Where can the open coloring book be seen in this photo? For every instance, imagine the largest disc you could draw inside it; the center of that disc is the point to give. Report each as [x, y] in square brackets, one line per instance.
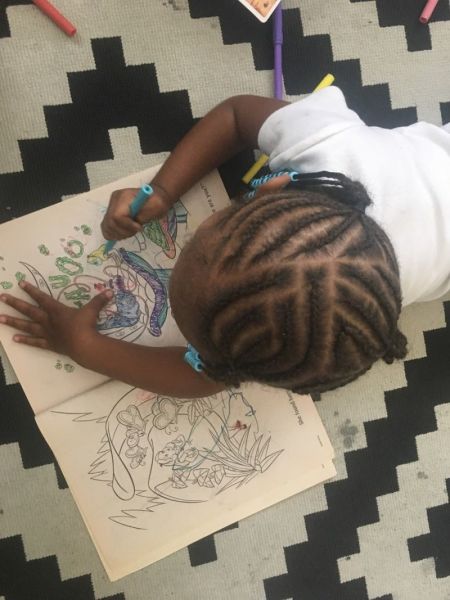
[150, 474]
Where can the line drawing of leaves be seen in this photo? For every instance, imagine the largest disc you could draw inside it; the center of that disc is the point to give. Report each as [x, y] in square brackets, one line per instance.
[243, 443]
[191, 413]
[229, 463]
[208, 403]
[204, 404]
[249, 477]
[253, 454]
[237, 473]
[234, 481]
[238, 463]
[233, 454]
[264, 449]
[269, 460]
[231, 445]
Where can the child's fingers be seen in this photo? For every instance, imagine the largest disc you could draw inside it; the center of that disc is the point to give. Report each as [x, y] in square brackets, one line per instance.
[44, 300]
[155, 208]
[27, 309]
[29, 340]
[118, 229]
[95, 305]
[22, 325]
[117, 223]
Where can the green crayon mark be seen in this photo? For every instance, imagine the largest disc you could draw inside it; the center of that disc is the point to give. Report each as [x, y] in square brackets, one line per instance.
[58, 365]
[6, 285]
[20, 276]
[59, 281]
[68, 266]
[86, 229]
[153, 231]
[44, 250]
[69, 368]
[74, 248]
[77, 295]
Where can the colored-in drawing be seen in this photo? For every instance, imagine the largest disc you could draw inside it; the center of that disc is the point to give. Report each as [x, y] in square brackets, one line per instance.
[68, 266]
[166, 450]
[140, 302]
[127, 307]
[44, 250]
[59, 281]
[158, 280]
[68, 368]
[74, 248]
[98, 256]
[163, 233]
[6, 285]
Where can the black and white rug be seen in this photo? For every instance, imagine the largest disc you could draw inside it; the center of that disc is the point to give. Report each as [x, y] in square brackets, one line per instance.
[76, 113]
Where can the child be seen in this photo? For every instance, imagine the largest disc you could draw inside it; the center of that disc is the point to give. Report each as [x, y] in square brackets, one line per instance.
[296, 286]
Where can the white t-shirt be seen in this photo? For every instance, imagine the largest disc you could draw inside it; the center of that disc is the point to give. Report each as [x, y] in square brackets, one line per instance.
[406, 172]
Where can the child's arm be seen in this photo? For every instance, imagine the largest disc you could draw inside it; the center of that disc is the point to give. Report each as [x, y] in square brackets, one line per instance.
[51, 325]
[159, 370]
[227, 129]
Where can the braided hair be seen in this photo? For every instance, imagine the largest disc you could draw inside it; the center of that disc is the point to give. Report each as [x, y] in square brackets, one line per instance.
[303, 289]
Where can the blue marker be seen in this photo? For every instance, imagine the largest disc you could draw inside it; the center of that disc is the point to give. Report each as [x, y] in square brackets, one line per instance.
[138, 202]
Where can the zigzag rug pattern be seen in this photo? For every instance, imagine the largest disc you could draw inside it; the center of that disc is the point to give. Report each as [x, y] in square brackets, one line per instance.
[78, 114]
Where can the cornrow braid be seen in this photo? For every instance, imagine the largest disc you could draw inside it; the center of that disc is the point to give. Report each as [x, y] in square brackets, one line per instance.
[337, 186]
[306, 292]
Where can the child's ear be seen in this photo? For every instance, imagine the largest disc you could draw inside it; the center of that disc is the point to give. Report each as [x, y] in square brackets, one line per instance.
[273, 185]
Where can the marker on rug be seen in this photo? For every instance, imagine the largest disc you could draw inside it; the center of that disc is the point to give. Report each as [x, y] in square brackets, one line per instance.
[278, 51]
[57, 18]
[138, 202]
[277, 32]
[428, 11]
[326, 81]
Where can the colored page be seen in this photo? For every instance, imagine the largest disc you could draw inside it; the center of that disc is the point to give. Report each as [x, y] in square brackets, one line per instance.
[61, 250]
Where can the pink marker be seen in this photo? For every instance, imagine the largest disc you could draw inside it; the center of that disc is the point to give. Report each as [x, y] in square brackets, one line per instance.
[428, 11]
[56, 17]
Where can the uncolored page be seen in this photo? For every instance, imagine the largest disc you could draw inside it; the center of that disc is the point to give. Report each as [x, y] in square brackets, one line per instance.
[61, 250]
[152, 474]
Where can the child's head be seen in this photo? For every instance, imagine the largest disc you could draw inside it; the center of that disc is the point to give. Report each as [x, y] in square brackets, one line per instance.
[298, 289]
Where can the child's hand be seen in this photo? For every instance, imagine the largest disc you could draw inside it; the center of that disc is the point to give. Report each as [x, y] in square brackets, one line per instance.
[117, 224]
[51, 325]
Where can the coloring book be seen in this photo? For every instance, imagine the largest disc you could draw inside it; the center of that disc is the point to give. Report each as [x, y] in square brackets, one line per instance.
[150, 474]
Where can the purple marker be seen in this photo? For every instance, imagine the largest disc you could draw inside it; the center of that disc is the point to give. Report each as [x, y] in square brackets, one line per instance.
[278, 51]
